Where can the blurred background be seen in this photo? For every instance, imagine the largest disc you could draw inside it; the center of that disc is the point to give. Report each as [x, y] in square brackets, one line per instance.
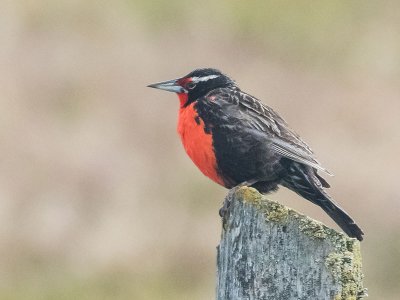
[98, 199]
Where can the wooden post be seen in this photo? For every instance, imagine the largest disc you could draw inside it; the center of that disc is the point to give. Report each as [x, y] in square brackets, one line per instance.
[268, 251]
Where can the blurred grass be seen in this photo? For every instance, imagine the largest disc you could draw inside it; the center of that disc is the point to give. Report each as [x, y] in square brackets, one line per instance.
[111, 285]
[98, 199]
[308, 32]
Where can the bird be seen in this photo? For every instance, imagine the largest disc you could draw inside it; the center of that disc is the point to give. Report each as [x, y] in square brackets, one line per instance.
[237, 140]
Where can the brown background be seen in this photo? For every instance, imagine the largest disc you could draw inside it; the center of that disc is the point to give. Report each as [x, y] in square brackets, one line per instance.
[97, 197]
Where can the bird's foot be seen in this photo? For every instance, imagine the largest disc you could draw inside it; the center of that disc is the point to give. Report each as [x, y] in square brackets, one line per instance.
[247, 183]
[228, 199]
[225, 206]
[227, 202]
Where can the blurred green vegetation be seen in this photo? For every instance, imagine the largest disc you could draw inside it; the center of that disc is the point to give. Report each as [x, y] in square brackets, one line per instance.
[110, 285]
[313, 33]
[99, 201]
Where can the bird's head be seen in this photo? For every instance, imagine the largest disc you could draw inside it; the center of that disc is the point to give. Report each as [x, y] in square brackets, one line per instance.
[195, 84]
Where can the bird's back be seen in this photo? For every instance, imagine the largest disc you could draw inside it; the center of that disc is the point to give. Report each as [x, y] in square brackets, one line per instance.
[249, 138]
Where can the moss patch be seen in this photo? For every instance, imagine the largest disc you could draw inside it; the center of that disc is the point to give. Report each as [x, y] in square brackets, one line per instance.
[276, 212]
[249, 195]
[313, 228]
[345, 266]
[272, 210]
[344, 262]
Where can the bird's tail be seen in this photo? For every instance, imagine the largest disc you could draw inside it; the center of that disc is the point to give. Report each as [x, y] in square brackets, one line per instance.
[307, 183]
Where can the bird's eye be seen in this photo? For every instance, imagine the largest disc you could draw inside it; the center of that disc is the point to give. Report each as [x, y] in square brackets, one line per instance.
[190, 85]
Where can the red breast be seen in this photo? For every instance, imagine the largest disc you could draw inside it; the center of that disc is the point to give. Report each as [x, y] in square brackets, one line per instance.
[197, 143]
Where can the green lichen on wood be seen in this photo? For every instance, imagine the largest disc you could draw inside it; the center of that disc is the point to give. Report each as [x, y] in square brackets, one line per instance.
[276, 212]
[344, 262]
[345, 266]
[312, 228]
[249, 195]
[272, 210]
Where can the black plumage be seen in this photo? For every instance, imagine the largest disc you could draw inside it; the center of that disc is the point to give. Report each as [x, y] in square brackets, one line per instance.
[255, 146]
[251, 143]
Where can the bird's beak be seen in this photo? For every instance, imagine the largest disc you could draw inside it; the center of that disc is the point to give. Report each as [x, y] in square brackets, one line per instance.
[170, 86]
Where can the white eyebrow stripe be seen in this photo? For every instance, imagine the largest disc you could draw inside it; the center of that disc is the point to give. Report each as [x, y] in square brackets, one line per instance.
[204, 78]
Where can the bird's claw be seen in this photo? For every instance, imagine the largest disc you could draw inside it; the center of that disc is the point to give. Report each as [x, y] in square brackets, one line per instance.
[227, 202]
[228, 199]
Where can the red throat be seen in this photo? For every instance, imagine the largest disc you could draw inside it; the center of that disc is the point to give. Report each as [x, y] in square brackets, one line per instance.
[197, 143]
[183, 98]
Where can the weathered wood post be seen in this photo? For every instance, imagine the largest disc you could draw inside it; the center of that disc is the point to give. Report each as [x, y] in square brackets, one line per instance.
[268, 251]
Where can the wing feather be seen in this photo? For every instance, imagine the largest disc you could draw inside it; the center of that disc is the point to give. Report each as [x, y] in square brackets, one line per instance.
[288, 151]
[263, 120]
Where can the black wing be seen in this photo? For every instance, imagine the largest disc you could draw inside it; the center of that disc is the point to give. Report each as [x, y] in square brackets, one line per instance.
[260, 119]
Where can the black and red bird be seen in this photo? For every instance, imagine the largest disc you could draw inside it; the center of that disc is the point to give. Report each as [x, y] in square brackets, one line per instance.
[235, 139]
